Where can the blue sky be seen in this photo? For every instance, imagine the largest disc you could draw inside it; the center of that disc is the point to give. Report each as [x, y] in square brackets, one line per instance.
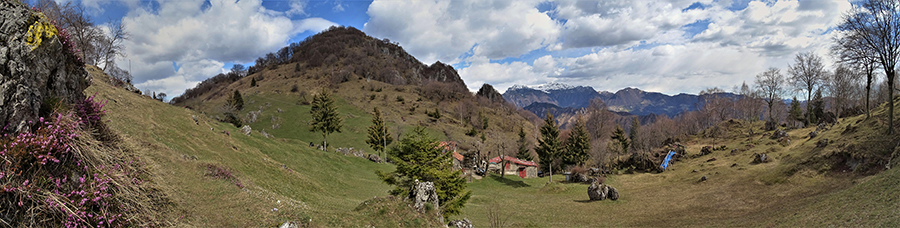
[676, 46]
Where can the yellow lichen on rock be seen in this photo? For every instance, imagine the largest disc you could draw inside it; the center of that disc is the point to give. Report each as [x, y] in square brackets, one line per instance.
[40, 29]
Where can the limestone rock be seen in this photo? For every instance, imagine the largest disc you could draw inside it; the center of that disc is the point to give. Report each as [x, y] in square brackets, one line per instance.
[246, 129]
[597, 191]
[289, 225]
[464, 223]
[422, 193]
[813, 134]
[778, 134]
[612, 194]
[374, 158]
[31, 75]
[759, 158]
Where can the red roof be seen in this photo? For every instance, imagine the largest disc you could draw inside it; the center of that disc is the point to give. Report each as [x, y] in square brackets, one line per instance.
[457, 156]
[513, 160]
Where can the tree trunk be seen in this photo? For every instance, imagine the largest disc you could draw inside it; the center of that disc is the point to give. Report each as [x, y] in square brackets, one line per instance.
[808, 105]
[868, 90]
[324, 142]
[891, 75]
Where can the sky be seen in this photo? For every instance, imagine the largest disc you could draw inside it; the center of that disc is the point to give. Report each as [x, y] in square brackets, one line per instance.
[675, 46]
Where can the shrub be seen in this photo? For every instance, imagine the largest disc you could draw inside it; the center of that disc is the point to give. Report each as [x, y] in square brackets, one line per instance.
[400, 99]
[294, 88]
[56, 173]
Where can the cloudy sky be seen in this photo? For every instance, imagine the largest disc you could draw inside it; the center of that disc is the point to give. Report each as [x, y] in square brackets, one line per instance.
[677, 46]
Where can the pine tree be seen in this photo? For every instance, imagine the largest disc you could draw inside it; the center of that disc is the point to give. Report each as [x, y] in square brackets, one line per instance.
[325, 116]
[418, 157]
[253, 82]
[378, 136]
[524, 151]
[818, 107]
[548, 146]
[578, 145]
[634, 133]
[795, 112]
[237, 101]
[619, 136]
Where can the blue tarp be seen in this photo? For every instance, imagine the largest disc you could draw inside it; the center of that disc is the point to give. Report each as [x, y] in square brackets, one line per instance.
[665, 163]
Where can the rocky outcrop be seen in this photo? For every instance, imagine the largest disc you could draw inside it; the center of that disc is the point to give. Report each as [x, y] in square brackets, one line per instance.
[464, 223]
[246, 129]
[423, 193]
[759, 158]
[597, 191]
[374, 158]
[36, 66]
[488, 91]
[612, 194]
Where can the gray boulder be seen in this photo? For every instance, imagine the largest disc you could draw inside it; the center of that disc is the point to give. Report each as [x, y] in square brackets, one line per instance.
[31, 72]
[246, 130]
[289, 225]
[612, 194]
[464, 223]
[374, 158]
[759, 158]
[597, 191]
[422, 193]
[813, 134]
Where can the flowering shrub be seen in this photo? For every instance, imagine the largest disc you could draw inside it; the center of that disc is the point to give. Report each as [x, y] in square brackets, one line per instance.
[47, 174]
[219, 172]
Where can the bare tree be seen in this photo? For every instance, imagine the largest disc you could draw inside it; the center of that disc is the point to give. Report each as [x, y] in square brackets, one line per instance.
[875, 25]
[109, 46]
[771, 85]
[850, 49]
[842, 87]
[807, 74]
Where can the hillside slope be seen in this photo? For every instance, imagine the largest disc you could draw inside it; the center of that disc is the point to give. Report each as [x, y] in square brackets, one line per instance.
[217, 177]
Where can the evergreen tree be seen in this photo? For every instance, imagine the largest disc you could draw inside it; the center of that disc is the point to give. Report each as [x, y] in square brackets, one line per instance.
[378, 136]
[325, 116]
[619, 136]
[252, 82]
[524, 151]
[818, 107]
[633, 135]
[237, 101]
[548, 146]
[578, 145]
[418, 157]
[796, 113]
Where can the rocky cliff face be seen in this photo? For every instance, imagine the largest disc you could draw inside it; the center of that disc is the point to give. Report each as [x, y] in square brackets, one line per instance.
[35, 66]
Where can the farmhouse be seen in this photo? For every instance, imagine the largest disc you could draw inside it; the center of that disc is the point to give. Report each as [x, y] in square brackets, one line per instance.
[515, 166]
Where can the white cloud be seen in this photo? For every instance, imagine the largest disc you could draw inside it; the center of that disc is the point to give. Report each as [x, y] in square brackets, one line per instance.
[201, 39]
[297, 8]
[443, 30]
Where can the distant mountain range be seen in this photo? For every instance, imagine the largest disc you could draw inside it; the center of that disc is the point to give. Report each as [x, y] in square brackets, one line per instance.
[568, 98]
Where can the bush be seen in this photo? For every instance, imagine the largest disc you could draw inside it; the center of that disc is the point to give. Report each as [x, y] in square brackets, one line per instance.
[294, 88]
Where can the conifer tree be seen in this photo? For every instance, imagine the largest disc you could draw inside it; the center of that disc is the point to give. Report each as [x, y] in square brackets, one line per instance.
[418, 157]
[253, 82]
[795, 112]
[378, 136]
[548, 146]
[325, 116]
[619, 136]
[237, 101]
[578, 145]
[634, 133]
[524, 151]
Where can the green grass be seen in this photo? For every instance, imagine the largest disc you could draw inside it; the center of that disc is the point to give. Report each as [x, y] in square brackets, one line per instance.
[310, 184]
[323, 188]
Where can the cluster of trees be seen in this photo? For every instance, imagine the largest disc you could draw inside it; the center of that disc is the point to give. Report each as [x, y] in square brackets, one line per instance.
[868, 40]
[97, 45]
[221, 80]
